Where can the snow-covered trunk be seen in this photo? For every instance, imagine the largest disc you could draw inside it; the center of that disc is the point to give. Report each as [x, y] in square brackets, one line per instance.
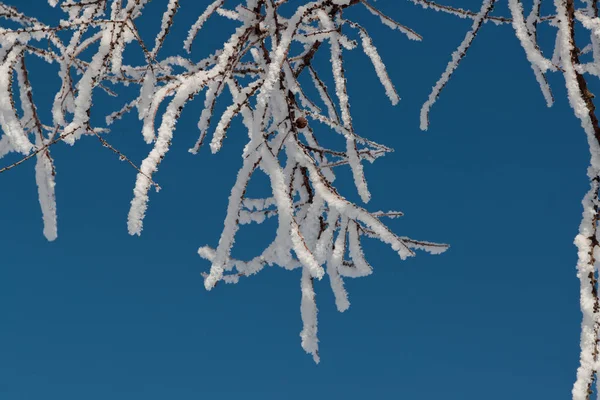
[581, 101]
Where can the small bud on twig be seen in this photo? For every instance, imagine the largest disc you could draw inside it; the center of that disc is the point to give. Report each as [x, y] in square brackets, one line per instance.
[301, 123]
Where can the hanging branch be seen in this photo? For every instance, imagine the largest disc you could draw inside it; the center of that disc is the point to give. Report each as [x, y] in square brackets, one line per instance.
[457, 56]
[261, 66]
[565, 60]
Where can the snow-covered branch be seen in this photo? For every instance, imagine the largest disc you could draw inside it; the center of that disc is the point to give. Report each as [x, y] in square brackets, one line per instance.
[566, 59]
[260, 66]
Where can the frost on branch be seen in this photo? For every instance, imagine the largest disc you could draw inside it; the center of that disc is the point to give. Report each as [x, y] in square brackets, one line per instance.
[259, 67]
[568, 55]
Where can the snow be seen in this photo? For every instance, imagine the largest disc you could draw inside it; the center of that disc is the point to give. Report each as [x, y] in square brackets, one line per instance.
[457, 56]
[263, 70]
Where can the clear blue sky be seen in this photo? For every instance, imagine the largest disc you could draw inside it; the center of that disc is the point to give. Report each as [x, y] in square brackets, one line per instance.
[101, 315]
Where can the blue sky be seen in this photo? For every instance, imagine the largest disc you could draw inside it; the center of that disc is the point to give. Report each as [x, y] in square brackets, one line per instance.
[99, 314]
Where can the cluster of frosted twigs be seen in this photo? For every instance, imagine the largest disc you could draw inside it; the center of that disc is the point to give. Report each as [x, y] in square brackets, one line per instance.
[319, 231]
[259, 67]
